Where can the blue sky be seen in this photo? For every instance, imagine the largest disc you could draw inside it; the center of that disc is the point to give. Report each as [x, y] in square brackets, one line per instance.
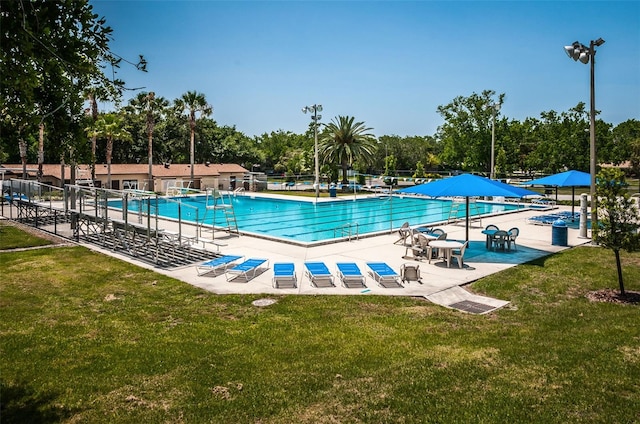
[389, 64]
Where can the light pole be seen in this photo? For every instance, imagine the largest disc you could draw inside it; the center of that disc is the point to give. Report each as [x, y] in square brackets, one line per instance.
[314, 109]
[578, 51]
[495, 107]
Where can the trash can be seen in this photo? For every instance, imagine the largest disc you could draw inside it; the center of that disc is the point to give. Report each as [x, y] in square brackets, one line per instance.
[559, 232]
[332, 190]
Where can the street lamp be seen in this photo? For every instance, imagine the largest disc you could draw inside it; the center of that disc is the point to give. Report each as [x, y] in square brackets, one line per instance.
[495, 107]
[578, 51]
[314, 109]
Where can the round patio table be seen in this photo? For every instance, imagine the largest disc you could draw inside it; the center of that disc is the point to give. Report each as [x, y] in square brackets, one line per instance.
[446, 246]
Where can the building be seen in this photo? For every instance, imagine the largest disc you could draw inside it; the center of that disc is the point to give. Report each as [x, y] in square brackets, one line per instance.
[166, 177]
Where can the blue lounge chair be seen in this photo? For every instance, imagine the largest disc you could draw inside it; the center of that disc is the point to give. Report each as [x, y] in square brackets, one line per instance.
[318, 274]
[246, 270]
[284, 273]
[384, 275]
[350, 275]
[217, 264]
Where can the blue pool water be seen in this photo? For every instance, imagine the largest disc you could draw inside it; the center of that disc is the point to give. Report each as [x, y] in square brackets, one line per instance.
[308, 221]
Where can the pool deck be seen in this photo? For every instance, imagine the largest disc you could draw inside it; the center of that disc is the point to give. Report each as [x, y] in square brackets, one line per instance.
[439, 283]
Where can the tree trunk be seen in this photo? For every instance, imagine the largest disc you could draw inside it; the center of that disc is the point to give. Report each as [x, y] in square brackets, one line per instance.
[619, 265]
[40, 150]
[192, 148]
[151, 161]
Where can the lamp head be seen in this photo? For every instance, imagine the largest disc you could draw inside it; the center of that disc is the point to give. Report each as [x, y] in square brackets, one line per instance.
[598, 42]
[319, 108]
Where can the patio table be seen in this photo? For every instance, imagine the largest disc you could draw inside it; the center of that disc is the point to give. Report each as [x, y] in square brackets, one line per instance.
[446, 246]
[489, 234]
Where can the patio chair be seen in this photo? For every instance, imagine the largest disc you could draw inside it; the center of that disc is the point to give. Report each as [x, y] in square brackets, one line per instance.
[318, 274]
[500, 240]
[437, 232]
[350, 275]
[405, 232]
[246, 270]
[490, 227]
[433, 253]
[384, 275]
[284, 274]
[409, 273]
[418, 247]
[458, 254]
[513, 234]
[218, 264]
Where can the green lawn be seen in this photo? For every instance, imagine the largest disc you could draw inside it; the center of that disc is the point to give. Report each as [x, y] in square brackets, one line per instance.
[86, 338]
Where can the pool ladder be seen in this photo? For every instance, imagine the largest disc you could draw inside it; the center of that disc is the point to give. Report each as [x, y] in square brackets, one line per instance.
[458, 205]
[346, 230]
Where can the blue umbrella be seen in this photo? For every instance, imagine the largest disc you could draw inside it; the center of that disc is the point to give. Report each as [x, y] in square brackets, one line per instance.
[564, 179]
[468, 185]
[571, 179]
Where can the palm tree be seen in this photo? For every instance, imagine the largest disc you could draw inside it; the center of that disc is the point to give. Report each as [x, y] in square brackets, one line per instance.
[109, 126]
[194, 103]
[345, 142]
[153, 107]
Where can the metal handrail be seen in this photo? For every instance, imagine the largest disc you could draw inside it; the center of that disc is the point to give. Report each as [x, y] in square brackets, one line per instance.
[344, 230]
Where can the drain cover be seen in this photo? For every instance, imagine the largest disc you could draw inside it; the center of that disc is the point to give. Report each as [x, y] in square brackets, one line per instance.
[472, 307]
[263, 302]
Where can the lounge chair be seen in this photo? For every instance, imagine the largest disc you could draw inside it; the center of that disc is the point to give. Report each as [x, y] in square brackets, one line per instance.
[284, 274]
[350, 275]
[410, 273]
[246, 270]
[218, 264]
[318, 274]
[384, 275]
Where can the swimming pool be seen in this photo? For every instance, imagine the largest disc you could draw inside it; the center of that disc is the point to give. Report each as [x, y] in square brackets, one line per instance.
[307, 221]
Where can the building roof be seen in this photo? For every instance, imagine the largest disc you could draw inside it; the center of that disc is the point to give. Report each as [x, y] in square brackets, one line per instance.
[159, 171]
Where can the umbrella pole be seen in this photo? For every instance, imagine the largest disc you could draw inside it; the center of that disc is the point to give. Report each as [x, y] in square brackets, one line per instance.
[467, 213]
[573, 193]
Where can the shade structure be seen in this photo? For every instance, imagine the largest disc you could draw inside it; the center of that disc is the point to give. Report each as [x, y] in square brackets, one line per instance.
[571, 179]
[468, 185]
[564, 179]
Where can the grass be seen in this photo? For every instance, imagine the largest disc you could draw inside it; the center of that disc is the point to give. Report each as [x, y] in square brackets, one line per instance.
[89, 338]
[13, 238]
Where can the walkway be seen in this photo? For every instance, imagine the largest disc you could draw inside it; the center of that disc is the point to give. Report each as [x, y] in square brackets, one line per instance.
[534, 242]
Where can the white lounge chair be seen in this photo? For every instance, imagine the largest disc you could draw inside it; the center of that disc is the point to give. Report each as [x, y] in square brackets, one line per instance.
[246, 270]
[384, 275]
[284, 274]
[318, 274]
[350, 275]
[218, 264]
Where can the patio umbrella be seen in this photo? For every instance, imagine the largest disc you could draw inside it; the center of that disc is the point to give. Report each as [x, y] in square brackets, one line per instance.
[467, 185]
[571, 179]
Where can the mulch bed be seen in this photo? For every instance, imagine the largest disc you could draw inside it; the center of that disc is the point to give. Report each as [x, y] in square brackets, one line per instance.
[614, 296]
